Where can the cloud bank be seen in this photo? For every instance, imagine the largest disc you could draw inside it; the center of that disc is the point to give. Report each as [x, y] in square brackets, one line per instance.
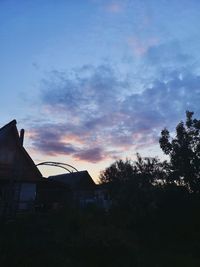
[96, 113]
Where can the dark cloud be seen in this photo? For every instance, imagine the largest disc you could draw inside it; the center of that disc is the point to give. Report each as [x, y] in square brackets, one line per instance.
[100, 113]
[86, 91]
[48, 140]
[55, 148]
[164, 103]
[92, 155]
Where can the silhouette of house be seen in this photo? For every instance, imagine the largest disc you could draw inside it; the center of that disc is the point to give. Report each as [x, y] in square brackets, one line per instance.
[83, 189]
[18, 173]
[22, 187]
[81, 186]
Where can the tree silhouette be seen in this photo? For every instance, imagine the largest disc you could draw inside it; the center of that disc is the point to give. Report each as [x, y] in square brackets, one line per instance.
[116, 177]
[150, 170]
[184, 152]
[118, 172]
[131, 183]
[144, 171]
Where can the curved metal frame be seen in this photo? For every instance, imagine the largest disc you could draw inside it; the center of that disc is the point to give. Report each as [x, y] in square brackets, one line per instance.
[57, 164]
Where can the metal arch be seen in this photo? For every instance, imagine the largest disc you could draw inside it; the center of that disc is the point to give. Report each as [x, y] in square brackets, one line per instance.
[58, 164]
[54, 165]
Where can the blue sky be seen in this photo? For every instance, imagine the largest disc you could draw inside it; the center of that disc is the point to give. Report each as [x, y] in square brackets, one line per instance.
[93, 81]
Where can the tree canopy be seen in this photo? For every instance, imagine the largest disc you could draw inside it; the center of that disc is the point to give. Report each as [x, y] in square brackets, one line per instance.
[184, 152]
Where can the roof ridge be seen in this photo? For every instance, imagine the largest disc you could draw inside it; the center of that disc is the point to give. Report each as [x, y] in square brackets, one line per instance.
[10, 124]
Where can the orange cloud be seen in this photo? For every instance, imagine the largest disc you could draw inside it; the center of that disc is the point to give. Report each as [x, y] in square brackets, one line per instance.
[72, 138]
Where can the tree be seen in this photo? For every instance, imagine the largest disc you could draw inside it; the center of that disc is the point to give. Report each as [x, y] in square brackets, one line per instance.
[150, 170]
[144, 171]
[118, 172]
[184, 152]
[131, 184]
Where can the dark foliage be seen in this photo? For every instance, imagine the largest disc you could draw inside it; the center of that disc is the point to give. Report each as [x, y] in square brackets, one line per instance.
[184, 153]
[131, 184]
[168, 237]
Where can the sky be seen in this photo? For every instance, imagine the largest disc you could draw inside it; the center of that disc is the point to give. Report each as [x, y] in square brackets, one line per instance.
[93, 81]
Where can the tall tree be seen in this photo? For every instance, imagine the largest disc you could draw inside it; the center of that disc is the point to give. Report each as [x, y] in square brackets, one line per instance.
[184, 152]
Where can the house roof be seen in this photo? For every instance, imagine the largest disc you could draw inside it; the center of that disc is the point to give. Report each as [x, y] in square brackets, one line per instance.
[10, 135]
[11, 126]
[75, 180]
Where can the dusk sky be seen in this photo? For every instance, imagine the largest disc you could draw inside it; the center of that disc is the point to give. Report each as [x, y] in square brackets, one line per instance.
[92, 81]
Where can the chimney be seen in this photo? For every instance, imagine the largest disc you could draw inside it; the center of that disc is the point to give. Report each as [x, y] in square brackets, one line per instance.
[21, 137]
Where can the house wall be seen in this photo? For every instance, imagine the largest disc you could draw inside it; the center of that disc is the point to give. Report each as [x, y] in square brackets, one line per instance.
[16, 196]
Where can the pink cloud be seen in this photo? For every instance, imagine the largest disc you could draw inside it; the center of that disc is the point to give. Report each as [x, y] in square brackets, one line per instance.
[140, 47]
[92, 155]
[30, 134]
[114, 7]
[67, 138]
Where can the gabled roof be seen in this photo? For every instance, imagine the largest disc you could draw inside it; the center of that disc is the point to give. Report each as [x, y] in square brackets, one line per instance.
[9, 134]
[11, 126]
[76, 180]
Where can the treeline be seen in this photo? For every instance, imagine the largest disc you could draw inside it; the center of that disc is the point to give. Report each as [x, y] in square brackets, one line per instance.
[181, 173]
[160, 200]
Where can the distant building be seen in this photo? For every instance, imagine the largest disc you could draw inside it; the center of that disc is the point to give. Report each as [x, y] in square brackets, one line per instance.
[83, 189]
[81, 185]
